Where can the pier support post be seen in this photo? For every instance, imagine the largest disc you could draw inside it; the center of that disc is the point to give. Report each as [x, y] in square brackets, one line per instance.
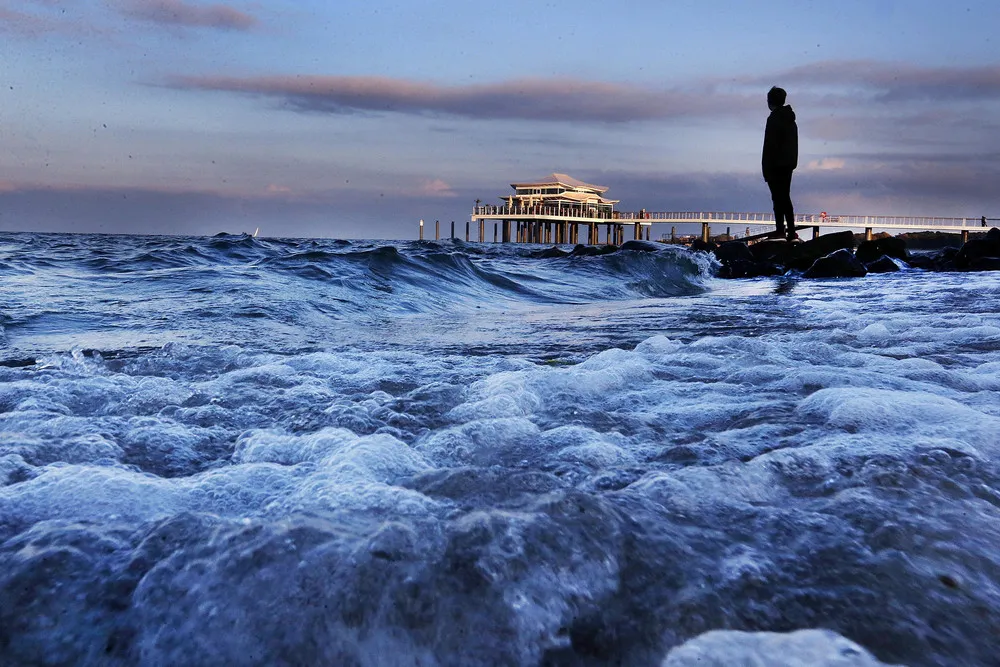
[495, 226]
[437, 230]
[452, 229]
[868, 233]
[705, 232]
[815, 232]
[467, 223]
[965, 235]
[421, 230]
[638, 231]
[482, 230]
[647, 232]
[673, 234]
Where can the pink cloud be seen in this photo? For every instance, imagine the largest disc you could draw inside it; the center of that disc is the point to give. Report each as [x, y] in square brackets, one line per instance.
[436, 188]
[527, 99]
[180, 13]
[22, 23]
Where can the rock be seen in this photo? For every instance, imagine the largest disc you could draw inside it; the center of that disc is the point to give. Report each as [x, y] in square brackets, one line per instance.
[777, 252]
[925, 262]
[985, 264]
[551, 252]
[839, 264]
[993, 236]
[641, 246]
[733, 251]
[749, 269]
[726, 648]
[701, 245]
[805, 254]
[869, 251]
[593, 250]
[976, 249]
[883, 264]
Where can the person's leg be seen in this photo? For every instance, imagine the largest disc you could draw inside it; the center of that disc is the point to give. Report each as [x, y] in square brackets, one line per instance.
[789, 208]
[778, 190]
[781, 185]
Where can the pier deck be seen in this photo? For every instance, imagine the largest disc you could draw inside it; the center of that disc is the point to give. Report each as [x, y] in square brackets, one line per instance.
[560, 225]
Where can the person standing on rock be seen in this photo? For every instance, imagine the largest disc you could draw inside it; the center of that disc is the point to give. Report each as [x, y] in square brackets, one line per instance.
[779, 159]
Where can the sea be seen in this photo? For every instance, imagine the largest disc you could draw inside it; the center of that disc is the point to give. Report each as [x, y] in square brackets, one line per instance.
[242, 451]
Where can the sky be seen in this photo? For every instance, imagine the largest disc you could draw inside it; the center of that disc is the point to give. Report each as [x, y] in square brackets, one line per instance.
[355, 119]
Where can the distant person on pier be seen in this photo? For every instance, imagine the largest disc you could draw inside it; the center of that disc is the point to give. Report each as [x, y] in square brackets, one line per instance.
[779, 159]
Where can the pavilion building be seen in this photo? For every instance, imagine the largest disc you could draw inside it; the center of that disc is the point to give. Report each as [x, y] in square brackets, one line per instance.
[552, 209]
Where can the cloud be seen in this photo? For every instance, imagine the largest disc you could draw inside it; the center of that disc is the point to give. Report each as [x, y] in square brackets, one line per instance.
[523, 99]
[27, 24]
[895, 82]
[826, 164]
[435, 188]
[180, 13]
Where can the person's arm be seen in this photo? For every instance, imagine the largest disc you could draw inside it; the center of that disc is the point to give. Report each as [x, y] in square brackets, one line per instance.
[767, 154]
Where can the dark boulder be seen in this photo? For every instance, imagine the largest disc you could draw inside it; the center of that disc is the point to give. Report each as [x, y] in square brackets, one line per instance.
[749, 269]
[805, 254]
[551, 252]
[975, 249]
[985, 264]
[925, 262]
[733, 251]
[883, 264]
[593, 250]
[839, 264]
[777, 252]
[869, 251]
[993, 236]
[642, 246]
[701, 245]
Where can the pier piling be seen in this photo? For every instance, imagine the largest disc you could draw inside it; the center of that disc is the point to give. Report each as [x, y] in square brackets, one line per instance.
[421, 230]
[437, 230]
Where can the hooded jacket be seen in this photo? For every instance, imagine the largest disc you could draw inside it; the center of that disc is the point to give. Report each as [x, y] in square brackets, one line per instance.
[781, 142]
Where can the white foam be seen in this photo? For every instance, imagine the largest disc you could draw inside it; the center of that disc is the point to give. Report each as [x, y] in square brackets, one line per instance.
[804, 648]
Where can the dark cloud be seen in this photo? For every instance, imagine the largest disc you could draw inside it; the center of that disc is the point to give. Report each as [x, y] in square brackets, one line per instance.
[895, 82]
[526, 99]
[180, 13]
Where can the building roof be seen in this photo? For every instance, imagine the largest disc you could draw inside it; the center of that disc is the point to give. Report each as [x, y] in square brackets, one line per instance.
[559, 179]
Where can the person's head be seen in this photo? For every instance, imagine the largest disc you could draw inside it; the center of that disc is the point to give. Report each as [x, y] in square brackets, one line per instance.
[775, 98]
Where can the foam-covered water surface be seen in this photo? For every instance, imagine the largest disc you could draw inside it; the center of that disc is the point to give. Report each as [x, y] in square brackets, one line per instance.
[242, 451]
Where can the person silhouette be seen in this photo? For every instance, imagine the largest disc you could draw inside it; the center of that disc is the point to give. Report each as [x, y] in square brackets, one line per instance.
[779, 159]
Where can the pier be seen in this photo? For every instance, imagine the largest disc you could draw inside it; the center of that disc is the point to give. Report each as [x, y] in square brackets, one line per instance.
[555, 208]
[524, 224]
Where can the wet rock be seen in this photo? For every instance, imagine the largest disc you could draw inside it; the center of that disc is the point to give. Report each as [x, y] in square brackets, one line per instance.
[593, 250]
[805, 254]
[985, 264]
[776, 252]
[925, 262]
[751, 269]
[975, 249]
[882, 265]
[818, 648]
[641, 246]
[550, 252]
[738, 261]
[733, 251]
[704, 247]
[870, 251]
[839, 264]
